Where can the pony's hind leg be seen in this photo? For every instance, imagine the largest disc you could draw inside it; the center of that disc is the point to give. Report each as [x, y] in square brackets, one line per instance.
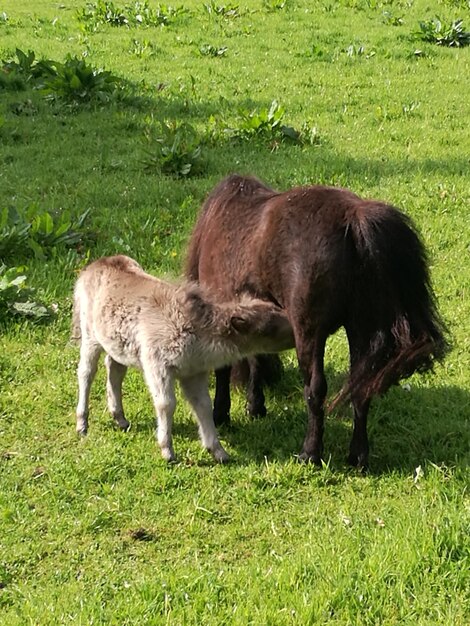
[359, 446]
[255, 394]
[116, 373]
[310, 352]
[89, 356]
[221, 412]
[196, 391]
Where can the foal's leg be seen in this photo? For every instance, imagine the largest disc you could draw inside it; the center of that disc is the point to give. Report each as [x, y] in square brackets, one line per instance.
[196, 391]
[222, 396]
[116, 373]
[88, 364]
[162, 388]
[310, 352]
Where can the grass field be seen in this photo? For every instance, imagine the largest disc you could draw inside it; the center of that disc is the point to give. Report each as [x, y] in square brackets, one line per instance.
[100, 530]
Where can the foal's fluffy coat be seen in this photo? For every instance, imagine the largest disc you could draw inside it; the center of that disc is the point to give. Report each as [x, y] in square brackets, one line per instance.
[169, 331]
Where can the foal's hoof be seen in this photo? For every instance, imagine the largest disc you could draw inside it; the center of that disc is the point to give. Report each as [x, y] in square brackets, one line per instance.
[81, 430]
[220, 456]
[120, 421]
[168, 454]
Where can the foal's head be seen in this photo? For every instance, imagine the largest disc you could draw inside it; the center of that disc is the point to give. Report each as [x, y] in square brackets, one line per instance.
[253, 325]
[258, 326]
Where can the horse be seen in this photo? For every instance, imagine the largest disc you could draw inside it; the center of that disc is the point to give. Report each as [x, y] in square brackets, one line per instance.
[330, 259]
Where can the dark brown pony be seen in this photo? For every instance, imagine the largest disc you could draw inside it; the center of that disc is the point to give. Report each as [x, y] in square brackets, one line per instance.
[330, 259]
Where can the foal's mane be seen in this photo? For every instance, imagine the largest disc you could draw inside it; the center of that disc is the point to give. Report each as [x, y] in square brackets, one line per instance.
[201, 308]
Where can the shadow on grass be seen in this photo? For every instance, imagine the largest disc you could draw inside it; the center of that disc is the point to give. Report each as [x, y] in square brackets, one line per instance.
[408, 426]
[322, 164]
[123, 121]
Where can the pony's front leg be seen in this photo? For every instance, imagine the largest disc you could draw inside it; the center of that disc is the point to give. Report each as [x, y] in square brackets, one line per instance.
[162, 388]
[311, 358]
[221, 412]
[89, 356]
[196, 390]
[116, 373]
[255, 394]
[359, 447]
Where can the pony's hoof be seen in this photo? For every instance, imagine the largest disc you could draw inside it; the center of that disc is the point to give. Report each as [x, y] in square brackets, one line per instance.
[359, 462]
[221, 419]
[305, 457]
[257, 411]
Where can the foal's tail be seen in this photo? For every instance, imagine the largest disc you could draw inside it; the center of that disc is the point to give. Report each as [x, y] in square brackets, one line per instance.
[394, 327]
[76, 332]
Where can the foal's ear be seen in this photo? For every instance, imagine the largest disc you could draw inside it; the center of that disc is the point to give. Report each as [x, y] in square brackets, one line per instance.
[241, 324]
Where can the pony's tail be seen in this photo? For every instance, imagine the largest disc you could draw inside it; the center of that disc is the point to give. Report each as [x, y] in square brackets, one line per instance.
[395, 328]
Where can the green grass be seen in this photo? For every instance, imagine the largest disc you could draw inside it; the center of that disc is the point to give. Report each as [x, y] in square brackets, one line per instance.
[101, 531]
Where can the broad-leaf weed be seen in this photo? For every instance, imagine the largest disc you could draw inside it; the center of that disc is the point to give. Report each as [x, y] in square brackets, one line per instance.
[436, 31]
[174, 148]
